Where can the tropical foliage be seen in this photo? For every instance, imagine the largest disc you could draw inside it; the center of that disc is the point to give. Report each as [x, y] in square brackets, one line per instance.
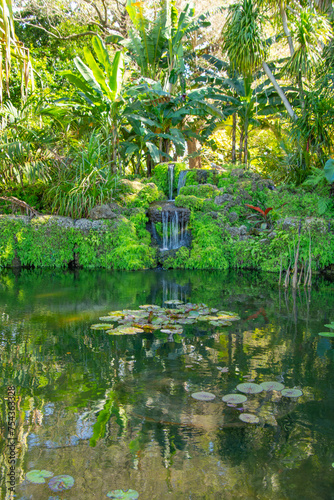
[120, 94]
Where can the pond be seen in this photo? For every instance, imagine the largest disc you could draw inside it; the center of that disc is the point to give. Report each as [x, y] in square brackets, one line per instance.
[117, 412]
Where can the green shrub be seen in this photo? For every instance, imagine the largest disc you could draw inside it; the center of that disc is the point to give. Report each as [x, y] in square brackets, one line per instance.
[145, 196]
[201, 191]
[191, 202]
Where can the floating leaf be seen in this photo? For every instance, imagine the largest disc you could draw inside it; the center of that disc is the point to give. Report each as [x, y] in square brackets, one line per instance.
[61, 483]
[150, 306]
[272, 386]
[203, 396]
[330, 326]
[326, 334]
[235, 399]
[173, 302]
[220, 323]
[101, 326]
[249, 388]
[123, 495]
[109, 318]
[292, 393]
[249, 418]
[127, 330]
[38, 476]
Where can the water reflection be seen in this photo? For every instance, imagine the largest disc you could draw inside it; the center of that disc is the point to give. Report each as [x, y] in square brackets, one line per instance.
[117, 412]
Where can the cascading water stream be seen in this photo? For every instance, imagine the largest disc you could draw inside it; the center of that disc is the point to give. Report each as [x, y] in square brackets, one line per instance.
[173, 230]
[170, 180]
[182, 180]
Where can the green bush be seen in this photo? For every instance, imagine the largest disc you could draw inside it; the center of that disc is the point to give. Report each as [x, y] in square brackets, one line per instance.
[191, 202]
[201, 191]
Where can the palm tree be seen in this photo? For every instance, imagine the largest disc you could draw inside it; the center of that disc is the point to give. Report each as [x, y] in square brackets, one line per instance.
[11, 47]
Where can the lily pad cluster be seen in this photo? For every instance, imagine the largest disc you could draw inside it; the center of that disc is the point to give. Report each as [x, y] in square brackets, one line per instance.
[150, 317]
[56, 484]
[235, 399]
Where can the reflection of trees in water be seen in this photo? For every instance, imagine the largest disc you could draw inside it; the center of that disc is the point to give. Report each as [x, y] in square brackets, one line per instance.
[49, 352]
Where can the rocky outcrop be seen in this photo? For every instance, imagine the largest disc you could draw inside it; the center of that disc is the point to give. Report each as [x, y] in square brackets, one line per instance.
[156, 210]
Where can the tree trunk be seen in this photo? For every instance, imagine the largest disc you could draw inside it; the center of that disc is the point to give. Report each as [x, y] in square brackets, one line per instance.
[149, 165]
[234, 130]
[246, 147]
[193, 146]
[285, 28]
[280, 92]
[241, 145]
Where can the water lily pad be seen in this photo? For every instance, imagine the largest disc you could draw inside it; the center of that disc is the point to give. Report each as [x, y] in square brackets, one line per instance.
[126, 330]
[148, 326]
[38, 476]
[292, 393]
[330, 326]
[326, 334]
[173, 302]
[109, 318]
[235, 399]
[220, 323]
[249, 388]
[123, 495]
[249, 418]
[272, 386]
[61, 483]
[203, 396]
[150, 306]
[101, 326]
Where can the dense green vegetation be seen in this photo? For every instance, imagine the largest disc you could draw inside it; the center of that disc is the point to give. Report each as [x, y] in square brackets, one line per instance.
[117, 100]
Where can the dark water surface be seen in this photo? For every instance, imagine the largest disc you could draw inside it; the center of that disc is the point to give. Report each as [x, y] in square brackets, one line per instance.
[116, 412]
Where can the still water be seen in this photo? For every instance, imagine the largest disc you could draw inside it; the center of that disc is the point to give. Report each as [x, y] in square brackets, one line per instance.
[116, 412]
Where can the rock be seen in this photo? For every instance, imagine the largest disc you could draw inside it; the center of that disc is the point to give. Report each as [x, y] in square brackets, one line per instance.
[245, 195]
[102, 212]
[272, 235]
[288, 223]
[315, 224]
[116, 208]
[233, 231]
[244, 237]
[25, 219]
[223, 198]
[254, 176]
[243, 230]
[83, 224]
[214, 215]
[233, 217]
[238, 172]
[65, 222]
[155, 211]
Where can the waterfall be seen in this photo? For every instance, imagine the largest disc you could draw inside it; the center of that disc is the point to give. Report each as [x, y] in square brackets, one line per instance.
[182, 180]
[171, 235]
[171, 180]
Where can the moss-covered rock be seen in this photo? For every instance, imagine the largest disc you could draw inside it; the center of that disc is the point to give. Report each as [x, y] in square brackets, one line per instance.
[201, 190]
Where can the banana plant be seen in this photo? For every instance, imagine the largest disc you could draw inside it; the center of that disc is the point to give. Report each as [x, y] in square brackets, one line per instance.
[99, 89]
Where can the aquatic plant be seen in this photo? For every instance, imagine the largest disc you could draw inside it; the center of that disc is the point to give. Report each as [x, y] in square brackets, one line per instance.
[272, 386]
[328, 334]
[249, 418]
[234, 399]
[292, 393]
[203, 396]
[61, 483]
[38, 476]
[249, 388]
